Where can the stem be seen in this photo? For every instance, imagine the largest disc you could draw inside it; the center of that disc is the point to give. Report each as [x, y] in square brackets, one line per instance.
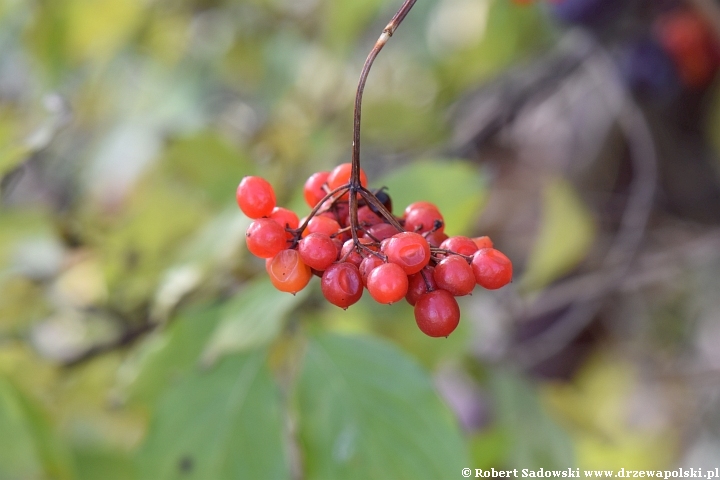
[384, 37]
[354, 185]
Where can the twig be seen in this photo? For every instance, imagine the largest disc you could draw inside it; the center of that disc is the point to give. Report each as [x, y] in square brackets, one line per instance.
[126, 339]
[355, 186]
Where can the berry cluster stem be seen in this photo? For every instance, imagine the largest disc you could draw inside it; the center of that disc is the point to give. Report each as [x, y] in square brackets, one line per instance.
[354, 185]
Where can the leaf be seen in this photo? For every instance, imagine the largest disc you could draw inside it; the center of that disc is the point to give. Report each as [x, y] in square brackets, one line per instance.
[253, 318]
[489, 448]
[28, 446]
[456, 187]
[368, 411]
[566, 234]
[168, 356]
[105, 464]
[223, 424]
[536, 440]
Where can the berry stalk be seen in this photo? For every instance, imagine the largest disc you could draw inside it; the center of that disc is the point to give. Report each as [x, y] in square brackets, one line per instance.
[355, 186]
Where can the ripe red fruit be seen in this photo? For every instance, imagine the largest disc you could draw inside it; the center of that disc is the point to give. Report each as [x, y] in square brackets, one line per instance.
[437, 313]
[367, 217]
[255, 197]
[287, 271]
[387, 283]
[350, 253]
[419, 284]
[341, 284]
[340, 212]
[424, 219]
[368, 264]
[492, 268]
[381, 231]
[422, 204]
[409, 250]
[483, 242]
[265, 238]
[313, 191]
[460, 244]
[286, 218]
[318, 251]
[436, 238]
[455, 275]
[321, 224]
[341, 175]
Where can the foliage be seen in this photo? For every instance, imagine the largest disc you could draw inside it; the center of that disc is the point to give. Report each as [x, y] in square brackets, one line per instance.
[138, 340]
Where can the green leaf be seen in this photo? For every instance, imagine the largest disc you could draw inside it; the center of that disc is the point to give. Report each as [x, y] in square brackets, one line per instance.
[368, 411]
[535, 439]
[226, 423]
[253, 318]
[456, 187]
[489, 448]
[566, 234]
[168, 356]
[105, 464]
[28, 446]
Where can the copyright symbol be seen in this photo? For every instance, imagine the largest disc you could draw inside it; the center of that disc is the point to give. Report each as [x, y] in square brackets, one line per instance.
[466, 472]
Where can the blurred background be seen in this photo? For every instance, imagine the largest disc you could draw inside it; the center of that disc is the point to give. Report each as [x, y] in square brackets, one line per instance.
[139, 340]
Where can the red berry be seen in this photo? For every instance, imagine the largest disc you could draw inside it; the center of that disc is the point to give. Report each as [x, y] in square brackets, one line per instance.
[321, 224]
[341, 284]
[455, 275]
[419, 284]
[318, 251]
[387, 283]
[483, 242]
[340, 212]
[286, 218]
[381, 231]
[350, 253]
[287, 271]
[416, 205]
[368, 264]
[265, 238]
[367, 217]
[437, 313]
[409, 250]
[424, 220]
[255, 197]
[460, 244]
[313, 190]
[341, 175]
[492, 268]
[436, 238]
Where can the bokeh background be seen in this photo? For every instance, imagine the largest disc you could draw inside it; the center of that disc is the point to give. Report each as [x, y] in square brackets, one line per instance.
[140, 340]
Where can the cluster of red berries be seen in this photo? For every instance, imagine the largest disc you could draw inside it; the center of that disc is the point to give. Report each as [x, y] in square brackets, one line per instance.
[393, 257]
